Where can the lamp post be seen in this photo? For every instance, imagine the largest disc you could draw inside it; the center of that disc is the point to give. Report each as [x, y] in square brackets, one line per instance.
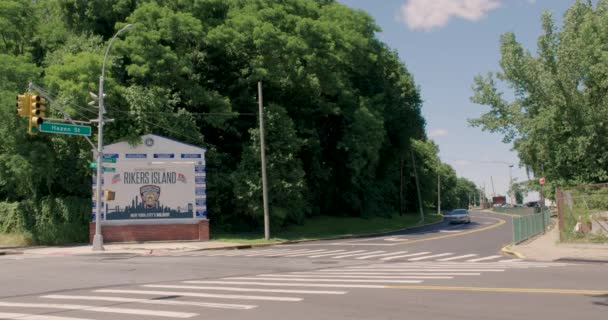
[98, 239]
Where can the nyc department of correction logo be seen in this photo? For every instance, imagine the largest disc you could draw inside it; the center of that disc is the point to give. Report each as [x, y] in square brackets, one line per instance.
[149, 195]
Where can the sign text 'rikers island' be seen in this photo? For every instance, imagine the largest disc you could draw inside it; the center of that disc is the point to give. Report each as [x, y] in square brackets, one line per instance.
[145, 177]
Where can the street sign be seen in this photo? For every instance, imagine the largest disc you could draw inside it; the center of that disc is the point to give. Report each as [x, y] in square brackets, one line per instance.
[92, 165]
[109, 160]
[65, 129]
[541, 181]
[107, 169]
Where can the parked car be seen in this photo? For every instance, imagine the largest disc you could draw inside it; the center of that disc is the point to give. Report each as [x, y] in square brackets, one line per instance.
[458, 216]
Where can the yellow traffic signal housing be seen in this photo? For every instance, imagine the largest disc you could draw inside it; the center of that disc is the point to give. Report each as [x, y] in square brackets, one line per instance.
[23, 105]
[37, 113]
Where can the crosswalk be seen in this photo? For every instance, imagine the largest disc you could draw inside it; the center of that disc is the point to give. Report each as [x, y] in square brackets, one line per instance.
[360, 254]
[190, 298]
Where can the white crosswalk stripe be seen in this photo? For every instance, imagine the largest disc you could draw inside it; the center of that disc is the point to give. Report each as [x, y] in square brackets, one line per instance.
[199, 295]
[326, 254]
[484, 259]
[152, 301]
[430, 257]
[243, 289]
[352, 254]
[285, 284]
[297, 251]
[381, 255]
[144, 312]
[336, 276]
[404, 256]
[25, 316]
[458, 257]
[287, 278]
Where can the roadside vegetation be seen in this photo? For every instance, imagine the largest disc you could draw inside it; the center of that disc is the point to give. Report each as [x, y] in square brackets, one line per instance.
[322, 227]
[343, 113]
[556, 118]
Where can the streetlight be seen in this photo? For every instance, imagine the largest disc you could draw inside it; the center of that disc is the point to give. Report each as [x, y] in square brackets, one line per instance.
[98, 239]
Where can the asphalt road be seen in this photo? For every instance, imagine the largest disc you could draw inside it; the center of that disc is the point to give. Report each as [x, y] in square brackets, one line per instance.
[435, 272]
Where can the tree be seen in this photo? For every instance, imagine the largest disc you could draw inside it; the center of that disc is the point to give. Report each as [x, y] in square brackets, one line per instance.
[555, 120]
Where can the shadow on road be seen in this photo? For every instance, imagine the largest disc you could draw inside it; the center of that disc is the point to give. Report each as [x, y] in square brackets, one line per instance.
[601, 303]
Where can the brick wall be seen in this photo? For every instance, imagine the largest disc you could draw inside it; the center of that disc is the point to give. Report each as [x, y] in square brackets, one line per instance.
[153, 232]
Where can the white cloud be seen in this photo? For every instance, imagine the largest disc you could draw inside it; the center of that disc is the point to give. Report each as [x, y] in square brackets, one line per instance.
[438, 133]
[429, 14]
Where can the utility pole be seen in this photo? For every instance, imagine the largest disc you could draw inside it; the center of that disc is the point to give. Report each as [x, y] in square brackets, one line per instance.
[511, 195]
[438, 194]
[401, 189]
[418, 188]
[263, 156]
[98, 238]
[493, 192]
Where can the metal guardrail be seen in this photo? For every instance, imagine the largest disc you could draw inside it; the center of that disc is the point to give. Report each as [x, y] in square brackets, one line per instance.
[528, 226]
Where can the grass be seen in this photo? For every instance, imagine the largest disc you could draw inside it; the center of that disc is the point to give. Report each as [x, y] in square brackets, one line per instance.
[15, 240]
[328, 227]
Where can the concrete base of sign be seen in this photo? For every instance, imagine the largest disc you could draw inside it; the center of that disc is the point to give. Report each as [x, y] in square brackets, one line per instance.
[165, 230]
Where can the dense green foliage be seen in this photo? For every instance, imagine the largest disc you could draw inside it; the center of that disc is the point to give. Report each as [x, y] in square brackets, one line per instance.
[556, 120]
[342, 111]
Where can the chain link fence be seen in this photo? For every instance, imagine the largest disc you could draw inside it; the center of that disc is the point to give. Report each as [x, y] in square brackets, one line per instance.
[583, 213]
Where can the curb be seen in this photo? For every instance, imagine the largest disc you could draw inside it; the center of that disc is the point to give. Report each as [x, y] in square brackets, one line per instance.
[354, 236]
[508, 250]
[566, 259]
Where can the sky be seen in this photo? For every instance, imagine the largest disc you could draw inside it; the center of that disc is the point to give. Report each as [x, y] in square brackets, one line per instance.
[445, 44]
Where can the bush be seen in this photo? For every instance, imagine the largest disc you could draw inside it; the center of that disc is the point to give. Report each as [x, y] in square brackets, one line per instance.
[50, 220]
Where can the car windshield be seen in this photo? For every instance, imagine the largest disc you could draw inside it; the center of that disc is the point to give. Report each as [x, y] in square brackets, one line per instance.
[458, 211]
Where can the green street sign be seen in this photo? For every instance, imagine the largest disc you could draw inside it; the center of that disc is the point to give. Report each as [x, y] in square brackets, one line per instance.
[109, 160]
[65, 129]
[92, 165]
[106, 169]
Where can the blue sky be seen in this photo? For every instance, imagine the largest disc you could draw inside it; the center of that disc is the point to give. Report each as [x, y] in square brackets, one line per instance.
[444, 44]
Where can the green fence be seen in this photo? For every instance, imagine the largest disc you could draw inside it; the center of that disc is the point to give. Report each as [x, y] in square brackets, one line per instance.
[527, 226]
[517, 210]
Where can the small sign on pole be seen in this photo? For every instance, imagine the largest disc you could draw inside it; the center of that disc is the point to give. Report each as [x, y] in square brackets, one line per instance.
[541, 181]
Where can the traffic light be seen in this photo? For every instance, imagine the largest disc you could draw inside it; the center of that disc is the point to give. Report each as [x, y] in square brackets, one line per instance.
[23, 105]
[37, 113]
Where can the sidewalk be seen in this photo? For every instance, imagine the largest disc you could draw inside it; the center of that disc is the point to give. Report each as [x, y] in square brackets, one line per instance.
[547, 248]
[128, 248]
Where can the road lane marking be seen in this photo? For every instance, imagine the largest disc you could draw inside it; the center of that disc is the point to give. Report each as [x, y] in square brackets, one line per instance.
[381, 255]
[26, 316]
[328, 253]
[283, 252]
[354, 254]
[395, 239]
[450, 231]
[505, 290]
[404, 256]
[458, 257]
[460, 234]
[199, 295]
[393, 273]
[430, 257]
[484, 258]
[510, 260]
[286, 284]
[321, 280]
[434, 270]
[243, 289]
[143, 312]
[306, 253]
[333, 276]
[152, 301]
